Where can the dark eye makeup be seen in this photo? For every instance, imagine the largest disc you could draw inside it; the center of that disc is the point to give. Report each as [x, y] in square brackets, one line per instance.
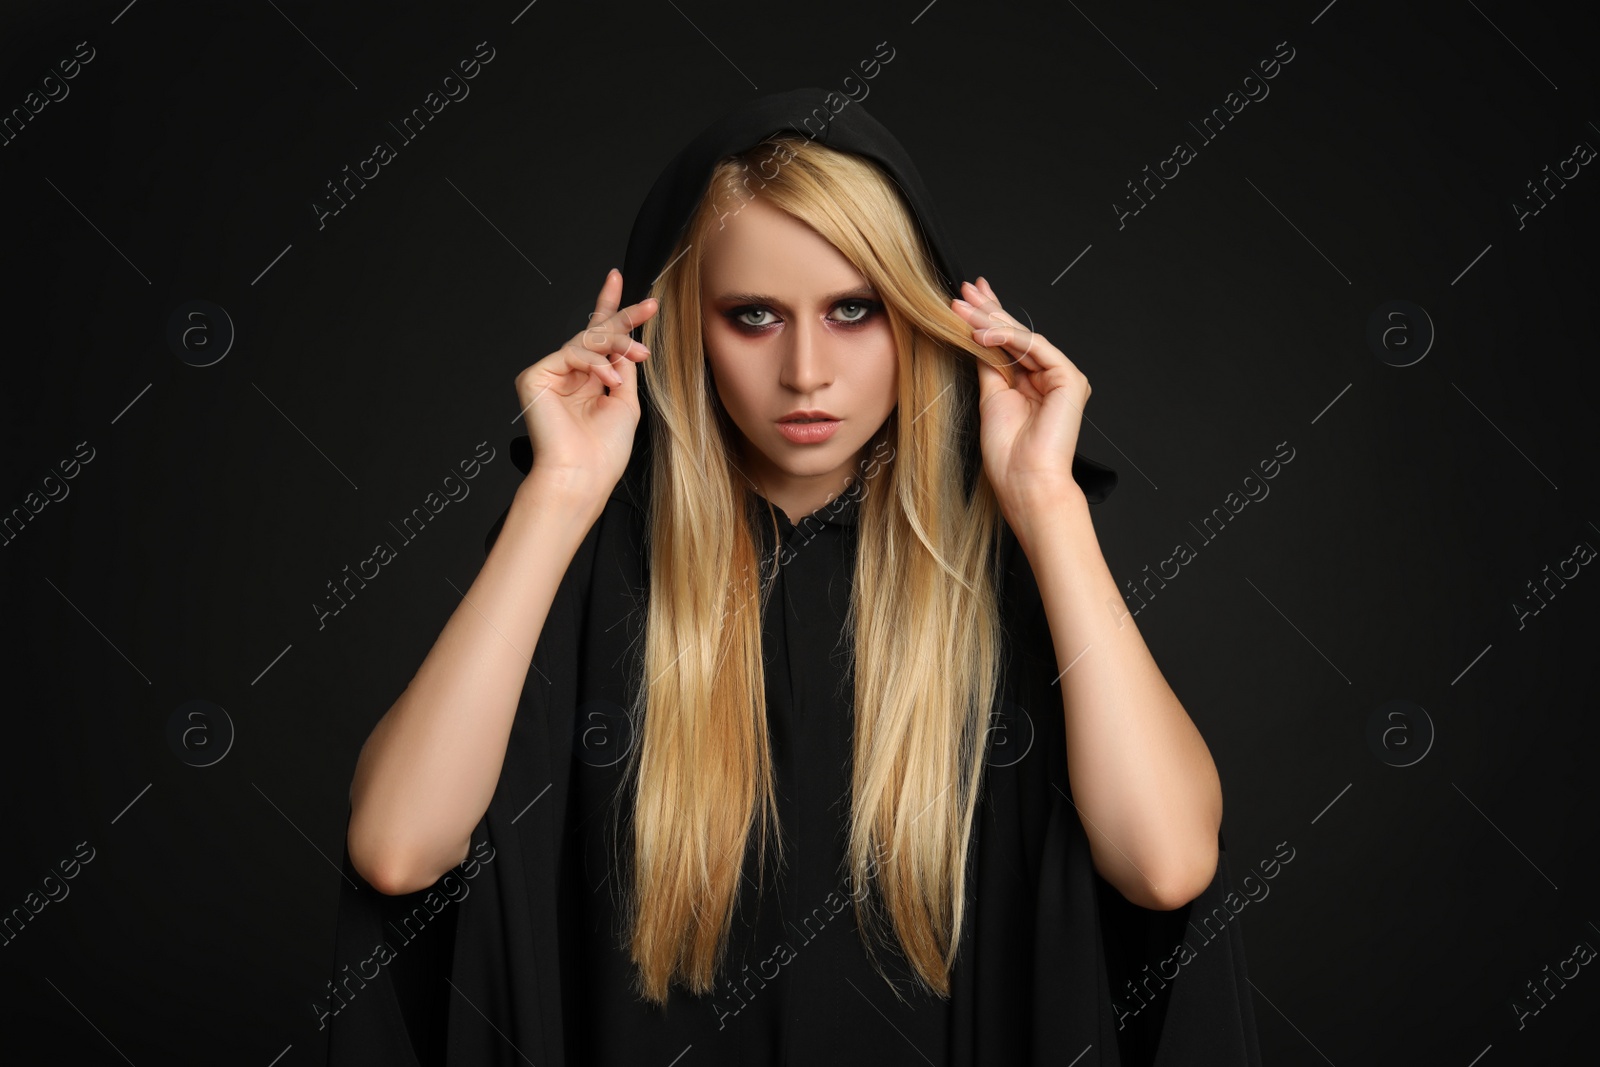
[870, 309]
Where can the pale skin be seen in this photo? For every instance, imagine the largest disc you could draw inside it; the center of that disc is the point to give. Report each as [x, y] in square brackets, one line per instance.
[789, 324]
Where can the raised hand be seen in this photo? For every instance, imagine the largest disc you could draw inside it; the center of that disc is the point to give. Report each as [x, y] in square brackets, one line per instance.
[581, 402]
[1029, 428]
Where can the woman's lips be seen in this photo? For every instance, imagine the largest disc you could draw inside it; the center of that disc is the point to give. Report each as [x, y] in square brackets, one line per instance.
[808, 433]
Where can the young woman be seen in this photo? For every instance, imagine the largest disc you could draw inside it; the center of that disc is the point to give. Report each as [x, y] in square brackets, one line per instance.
[794, 716]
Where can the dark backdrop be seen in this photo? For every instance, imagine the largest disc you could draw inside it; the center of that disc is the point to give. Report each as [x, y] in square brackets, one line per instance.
[1384, 695]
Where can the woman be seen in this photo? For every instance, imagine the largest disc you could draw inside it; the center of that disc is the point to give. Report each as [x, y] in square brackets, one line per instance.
[795, 772]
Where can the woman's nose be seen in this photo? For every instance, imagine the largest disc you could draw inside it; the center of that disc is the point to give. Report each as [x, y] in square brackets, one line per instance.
[807, 364]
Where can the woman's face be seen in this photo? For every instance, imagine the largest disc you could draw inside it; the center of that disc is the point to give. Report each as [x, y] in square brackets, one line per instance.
[790, 325]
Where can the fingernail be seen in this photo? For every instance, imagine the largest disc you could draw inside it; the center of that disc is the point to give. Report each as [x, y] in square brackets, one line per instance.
[963, 303]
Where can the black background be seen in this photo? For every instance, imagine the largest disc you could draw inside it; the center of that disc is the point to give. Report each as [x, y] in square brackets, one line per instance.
[373, 354]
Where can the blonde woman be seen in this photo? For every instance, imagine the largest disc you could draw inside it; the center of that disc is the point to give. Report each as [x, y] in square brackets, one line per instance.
[794, 716]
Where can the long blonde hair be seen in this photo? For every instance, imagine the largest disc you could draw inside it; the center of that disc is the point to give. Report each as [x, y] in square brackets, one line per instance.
[923, 629]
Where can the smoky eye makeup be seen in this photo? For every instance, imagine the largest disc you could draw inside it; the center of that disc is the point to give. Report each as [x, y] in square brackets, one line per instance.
[864, 309]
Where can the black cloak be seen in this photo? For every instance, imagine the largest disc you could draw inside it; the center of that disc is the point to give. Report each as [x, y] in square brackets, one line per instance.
[497, 963]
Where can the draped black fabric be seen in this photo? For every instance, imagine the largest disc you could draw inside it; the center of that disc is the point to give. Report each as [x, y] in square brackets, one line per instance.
[515, 957]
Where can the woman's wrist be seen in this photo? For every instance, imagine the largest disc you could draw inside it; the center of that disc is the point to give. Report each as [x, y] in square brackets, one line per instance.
[572, 491]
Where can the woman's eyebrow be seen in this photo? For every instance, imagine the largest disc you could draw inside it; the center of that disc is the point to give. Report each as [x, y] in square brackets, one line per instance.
[859, 292]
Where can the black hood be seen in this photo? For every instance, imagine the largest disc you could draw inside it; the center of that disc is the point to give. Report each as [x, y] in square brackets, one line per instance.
[665, 213]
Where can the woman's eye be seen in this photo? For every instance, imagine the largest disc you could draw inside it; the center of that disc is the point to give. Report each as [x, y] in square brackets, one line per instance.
[866, 308]
[739, 316]
[856, 312]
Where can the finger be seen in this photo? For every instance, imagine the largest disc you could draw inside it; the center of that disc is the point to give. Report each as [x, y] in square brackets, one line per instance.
[1025, 385]
[1030, 347]
[613, 340]
[628, 373]
[990, 381]
[596, 364]
[984, 315]
[1033, 351]
[612, 333]
[1019, 341]
[987, 302]
[992, 314]
[605, 304]
[992, 328]
[631, 318]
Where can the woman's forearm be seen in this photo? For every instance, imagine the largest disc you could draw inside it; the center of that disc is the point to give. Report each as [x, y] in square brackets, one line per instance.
[430, 766]
[1142, 778]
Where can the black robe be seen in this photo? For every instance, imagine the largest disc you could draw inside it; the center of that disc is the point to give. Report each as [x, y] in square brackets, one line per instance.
[510, 958]
[512, 952]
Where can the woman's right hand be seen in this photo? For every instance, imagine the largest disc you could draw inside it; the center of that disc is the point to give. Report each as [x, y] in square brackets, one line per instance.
[582, 436]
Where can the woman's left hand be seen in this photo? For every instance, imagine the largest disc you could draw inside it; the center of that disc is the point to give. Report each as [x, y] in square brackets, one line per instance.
[1029, 429]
